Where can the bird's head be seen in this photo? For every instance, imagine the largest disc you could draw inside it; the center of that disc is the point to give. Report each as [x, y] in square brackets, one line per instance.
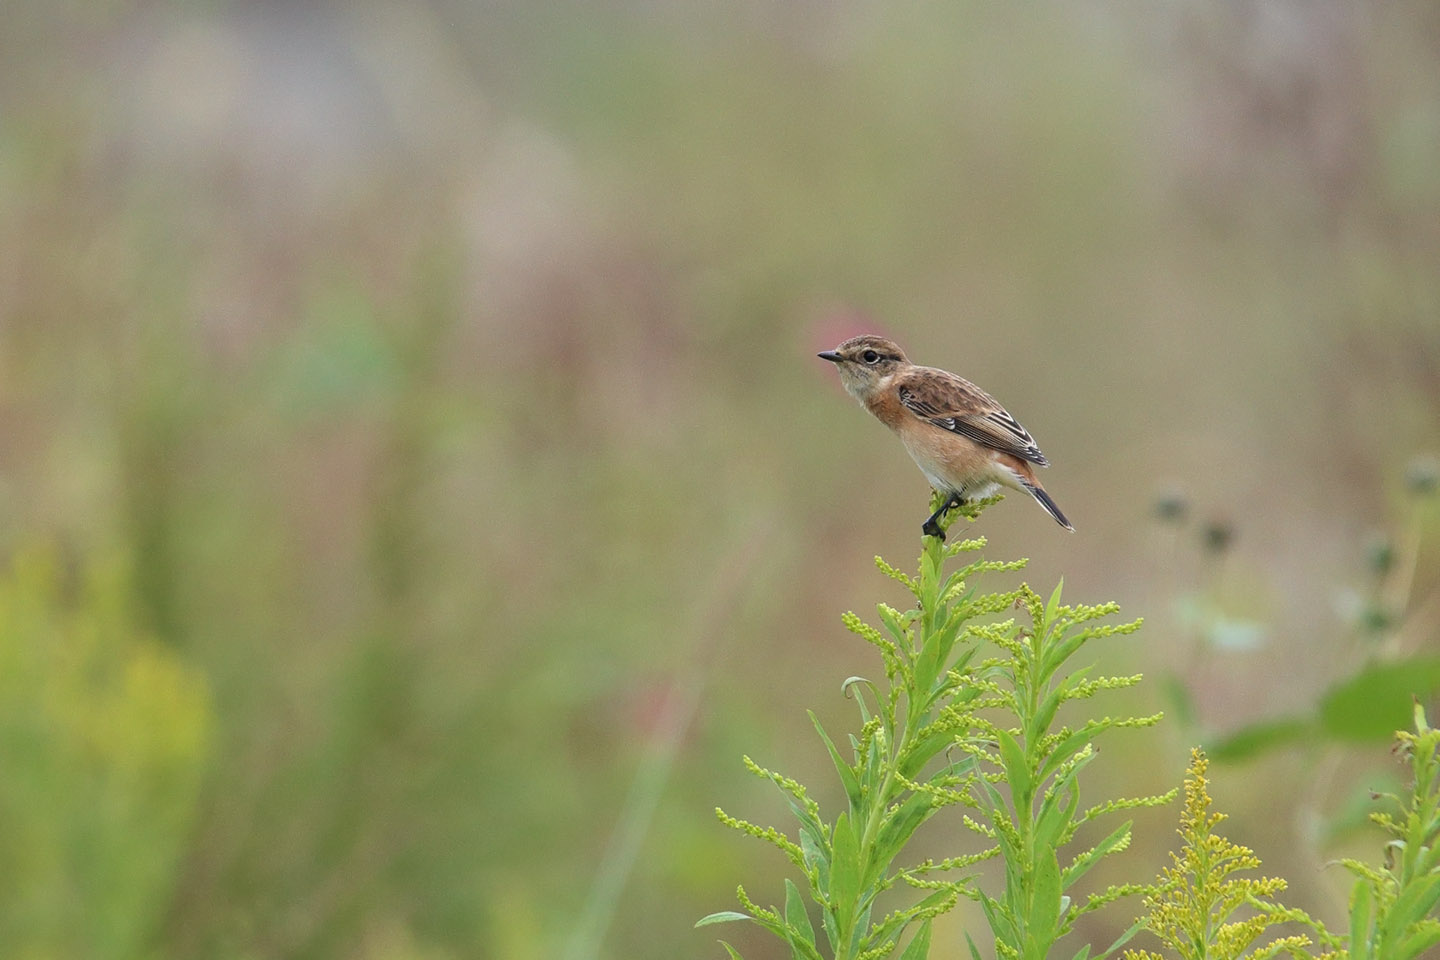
[866, 363]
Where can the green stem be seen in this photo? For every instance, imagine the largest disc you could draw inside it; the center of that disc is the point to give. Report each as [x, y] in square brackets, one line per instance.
[880, 800]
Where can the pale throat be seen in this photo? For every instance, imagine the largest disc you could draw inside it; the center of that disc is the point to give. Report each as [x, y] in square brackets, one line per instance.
[863, 392]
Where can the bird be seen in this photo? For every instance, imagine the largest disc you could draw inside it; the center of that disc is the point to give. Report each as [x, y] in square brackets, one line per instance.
[960, 437]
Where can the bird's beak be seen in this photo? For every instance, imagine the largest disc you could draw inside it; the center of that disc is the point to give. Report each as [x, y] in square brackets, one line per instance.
[830, 355]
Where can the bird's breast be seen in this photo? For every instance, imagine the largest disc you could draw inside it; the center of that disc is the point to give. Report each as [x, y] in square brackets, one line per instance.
[885, 405]
[952, 462]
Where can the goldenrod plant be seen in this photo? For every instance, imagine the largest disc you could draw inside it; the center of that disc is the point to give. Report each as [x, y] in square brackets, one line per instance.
[1039, 760]
[966, 716]
[1199, 907]
[1392, 907]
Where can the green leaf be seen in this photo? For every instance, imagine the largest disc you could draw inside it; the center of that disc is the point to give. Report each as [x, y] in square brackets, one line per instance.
[894, 626]
[1261, 737]
[994, 803]
[847, 774]
[896, 831]
[845, 691]
[1089, 858]
[1418, 942]
[1362, 916]
[1017, 769]
[1414, 902]
[1046, 712]
[816, 856]
[919, 947]
[734, 954]
[1054, 816]
[893, 925]
[844, 874]
[1378, 700]
[795, 916]
[928, 662]
[1069, 745]
[970, 942]
[923, 750]
[724, 916]
[1053, 607]
[807, 820]
[862, 923]
[1044, 925]
[827, 923]
[1123, 939]
[1058, 653]
[999, 920]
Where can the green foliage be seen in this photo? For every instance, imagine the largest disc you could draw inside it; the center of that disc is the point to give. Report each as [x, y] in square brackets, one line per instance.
[896, 773]
[1374, 701]
[1200, 909]
[103, 736]
[1392, 908]
[1041, 761]
[947, 727]
[1362, 708]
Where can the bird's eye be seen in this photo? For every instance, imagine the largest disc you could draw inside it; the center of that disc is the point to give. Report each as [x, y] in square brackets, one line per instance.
[870, 356]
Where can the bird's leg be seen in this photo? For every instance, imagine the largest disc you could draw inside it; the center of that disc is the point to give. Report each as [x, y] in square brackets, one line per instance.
[931, 527]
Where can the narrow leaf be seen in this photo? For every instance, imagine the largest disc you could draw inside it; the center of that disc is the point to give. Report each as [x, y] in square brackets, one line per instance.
[1116, 839]
[1053, 607]
[795, 916]
[817, 856]
[1418, 942]
[1413, 903]
[847, 774]
[919, 948]
[1045, 909]
[1362, 915]
[1069, 745]
[1046, 713]
[1123, 939]
[844, 874]
[896, 832]
[1017, 770]
[827, 923]
[896, 924]
[923, 750]
[724, 916]
[1055, 815]
[859, 699]
[894, 626]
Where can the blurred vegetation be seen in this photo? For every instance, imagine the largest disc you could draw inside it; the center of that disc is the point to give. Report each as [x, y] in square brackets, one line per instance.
[106, 736]
[386, 388]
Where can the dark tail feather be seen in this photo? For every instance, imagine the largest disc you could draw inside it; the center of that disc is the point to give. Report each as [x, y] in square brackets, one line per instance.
[1050, 506]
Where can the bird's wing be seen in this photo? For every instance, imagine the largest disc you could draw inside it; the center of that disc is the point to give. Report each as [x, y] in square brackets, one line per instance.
[959, 406]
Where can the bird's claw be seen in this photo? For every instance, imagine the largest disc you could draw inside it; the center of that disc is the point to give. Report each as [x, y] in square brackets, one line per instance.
[932, 529]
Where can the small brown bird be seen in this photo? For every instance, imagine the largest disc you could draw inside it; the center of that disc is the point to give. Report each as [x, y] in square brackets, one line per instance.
[964, 442]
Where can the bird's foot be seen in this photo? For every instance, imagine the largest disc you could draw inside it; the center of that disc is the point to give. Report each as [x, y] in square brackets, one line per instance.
[932, 529]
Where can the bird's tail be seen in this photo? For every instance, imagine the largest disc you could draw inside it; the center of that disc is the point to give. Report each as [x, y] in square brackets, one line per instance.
[1051, 507]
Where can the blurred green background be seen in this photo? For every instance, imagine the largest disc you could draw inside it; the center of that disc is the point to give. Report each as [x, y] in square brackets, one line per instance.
[418, 489]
